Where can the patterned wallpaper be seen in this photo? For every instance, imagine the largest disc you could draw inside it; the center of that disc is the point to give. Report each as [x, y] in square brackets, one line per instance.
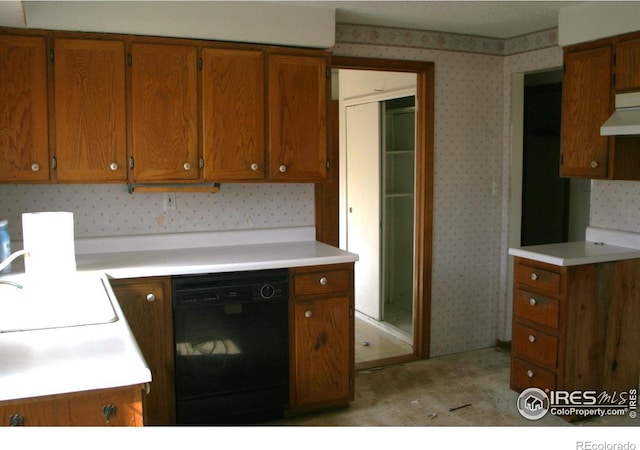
[472, 168]
[109, 210]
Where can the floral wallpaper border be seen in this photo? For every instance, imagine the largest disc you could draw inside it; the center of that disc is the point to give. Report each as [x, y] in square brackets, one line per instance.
[435, 40]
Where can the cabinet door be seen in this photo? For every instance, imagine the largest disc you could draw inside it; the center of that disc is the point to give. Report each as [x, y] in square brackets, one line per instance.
[24, 128]
[628, 65]
[322, 352]
[297, 118]
[104, 407]
[90, 120]
[233, 114]
[147, 306]
[586, 105]
[164, 112]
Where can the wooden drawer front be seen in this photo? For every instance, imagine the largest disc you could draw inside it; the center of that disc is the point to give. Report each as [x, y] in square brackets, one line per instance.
[525, 375]
[536, 308]
[322, 282]
[537, 278]
[534, 345]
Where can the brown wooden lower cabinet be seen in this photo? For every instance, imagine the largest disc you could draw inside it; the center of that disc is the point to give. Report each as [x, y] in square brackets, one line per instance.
[105, 407]
[321, 337]
[576, 328]
[146, 303]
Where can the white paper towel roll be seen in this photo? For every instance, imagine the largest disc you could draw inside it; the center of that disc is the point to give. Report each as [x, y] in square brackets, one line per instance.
[48, 238]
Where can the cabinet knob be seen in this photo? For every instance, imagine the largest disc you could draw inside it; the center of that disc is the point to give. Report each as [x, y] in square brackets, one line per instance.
[108, 411]
[594, 164]
[113, 166]
[187, 166]
[532, 301]
[530, 373]
[35, 167]
[323, 281]
[254, 166]
[282, 168]
[308, 314]
[534, 276]
[16, 420]
[532, 338]
[151, 297]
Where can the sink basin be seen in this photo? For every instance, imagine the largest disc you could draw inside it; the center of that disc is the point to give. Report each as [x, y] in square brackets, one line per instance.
[34, 304]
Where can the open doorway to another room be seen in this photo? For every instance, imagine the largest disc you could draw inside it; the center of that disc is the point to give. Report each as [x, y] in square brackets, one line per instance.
[378, 131]
[554, 209]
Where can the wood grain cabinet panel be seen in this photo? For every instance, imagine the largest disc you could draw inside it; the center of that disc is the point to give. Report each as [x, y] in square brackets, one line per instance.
[586, 105]
[627, 65]
[321, 337]
[105, 407]
[90, 113]
[297, 117]
[164, 112]
[24, 124]
[146, 304]
[584, 336]
[233, 114]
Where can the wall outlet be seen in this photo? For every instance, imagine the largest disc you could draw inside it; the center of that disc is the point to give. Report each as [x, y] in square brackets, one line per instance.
[170, 201]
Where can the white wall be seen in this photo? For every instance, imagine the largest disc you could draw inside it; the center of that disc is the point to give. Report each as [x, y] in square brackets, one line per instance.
[242, 21]
[589, 21]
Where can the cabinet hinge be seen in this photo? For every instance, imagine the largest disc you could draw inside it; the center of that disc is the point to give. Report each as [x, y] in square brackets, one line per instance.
[129, 59]
[51, 55]
[201, 162]
[350, 311]
[199, 63]
[328, 73]
[328, 164]
[54, 162]
[130, 162]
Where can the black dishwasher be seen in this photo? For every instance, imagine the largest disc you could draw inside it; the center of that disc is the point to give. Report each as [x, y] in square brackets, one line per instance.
[231, 346]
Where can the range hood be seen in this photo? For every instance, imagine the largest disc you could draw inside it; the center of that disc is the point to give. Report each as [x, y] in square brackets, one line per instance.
[625, 121]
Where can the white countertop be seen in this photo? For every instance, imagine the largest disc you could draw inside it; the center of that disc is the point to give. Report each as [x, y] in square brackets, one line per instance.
[61, 360]
[600, 246]
[72, 359]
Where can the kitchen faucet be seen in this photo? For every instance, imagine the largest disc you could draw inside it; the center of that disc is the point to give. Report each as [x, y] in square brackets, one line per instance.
[8, 261]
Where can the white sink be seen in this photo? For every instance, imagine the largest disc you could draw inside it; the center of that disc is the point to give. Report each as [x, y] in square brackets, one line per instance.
[33, 304]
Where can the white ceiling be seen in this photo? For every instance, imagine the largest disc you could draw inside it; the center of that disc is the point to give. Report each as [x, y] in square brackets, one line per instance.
[497, 19]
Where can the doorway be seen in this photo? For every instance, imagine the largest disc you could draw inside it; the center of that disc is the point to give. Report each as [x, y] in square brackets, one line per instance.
[327, 197]
[554, 209]
[378, 164]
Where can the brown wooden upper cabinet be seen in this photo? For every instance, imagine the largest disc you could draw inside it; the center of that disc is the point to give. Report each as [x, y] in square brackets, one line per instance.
[90, 114]
[297, 117]
[233, 114]
[627, 65]
[164, 112]
[24, 126]
[594, 73]
[586, 105]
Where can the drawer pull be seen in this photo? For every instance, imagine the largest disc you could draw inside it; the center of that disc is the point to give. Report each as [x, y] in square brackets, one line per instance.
[532, 338]
[108, 411]
[151, 297]
[16, 420]
[323, 281]
[308, 314]
[530, 373]
[534, 276]
[532, 301]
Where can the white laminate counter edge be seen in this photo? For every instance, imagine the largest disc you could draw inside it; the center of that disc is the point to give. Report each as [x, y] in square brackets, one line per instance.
[602, 245]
